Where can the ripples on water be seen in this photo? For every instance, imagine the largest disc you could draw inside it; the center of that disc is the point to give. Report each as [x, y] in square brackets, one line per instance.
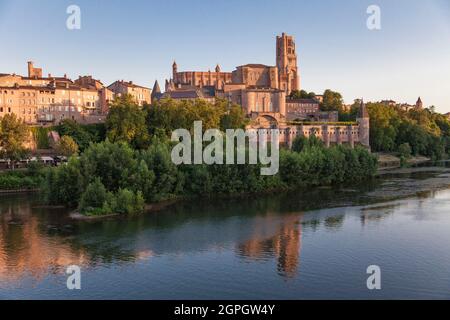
[288, 246]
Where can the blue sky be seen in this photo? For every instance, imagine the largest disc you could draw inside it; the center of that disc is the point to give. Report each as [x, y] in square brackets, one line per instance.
[138, 40]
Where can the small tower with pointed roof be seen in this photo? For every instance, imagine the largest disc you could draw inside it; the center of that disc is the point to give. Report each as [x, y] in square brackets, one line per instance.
[364, 125]
[174, 69]
[419, 104]
[156, 91]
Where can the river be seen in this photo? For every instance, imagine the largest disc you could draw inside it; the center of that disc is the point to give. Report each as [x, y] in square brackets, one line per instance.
[298, 245]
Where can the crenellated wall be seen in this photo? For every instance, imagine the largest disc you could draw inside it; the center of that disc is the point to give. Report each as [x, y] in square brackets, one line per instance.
[330, 134]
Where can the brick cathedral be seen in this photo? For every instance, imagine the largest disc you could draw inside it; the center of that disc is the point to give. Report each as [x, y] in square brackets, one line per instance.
[263, 91]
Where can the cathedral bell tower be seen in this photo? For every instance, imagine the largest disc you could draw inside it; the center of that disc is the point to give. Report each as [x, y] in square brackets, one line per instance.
[288, 75]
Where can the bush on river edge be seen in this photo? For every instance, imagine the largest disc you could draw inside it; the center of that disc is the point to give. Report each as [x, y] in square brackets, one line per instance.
[28, 179]
[114, 178]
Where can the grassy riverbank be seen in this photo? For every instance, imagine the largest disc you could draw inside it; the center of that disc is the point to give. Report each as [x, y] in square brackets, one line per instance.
[388, 161]
[21, 180]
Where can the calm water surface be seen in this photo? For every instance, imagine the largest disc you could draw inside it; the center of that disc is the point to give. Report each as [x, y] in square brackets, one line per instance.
[301, 245]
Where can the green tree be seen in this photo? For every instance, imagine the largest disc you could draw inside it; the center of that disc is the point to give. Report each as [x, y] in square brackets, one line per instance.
[302, 94]
[385, 124]
[332, 101]
[14, 133]
[300, 143]
[64, 184]
[83, 135]
[143, 179]
[166, 115]
[66, 146]
[40, 135]
[113, 163]
[95, 197]
[128, 202]
[126, 122]
[168, 180]
[234, 118]
[426, 131]
[405, 150]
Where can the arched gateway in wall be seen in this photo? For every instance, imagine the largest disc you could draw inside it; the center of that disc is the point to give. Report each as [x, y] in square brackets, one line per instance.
[266, 121]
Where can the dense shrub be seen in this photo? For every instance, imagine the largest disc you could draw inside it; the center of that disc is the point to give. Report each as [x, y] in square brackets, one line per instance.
[64, 184]
[96, 200]
[94, 197]
[118, 179]
[127, 202]
[20, 180]
[302, 142]
[405, 150]
[83, 135]
[424, 130]
[40, 135]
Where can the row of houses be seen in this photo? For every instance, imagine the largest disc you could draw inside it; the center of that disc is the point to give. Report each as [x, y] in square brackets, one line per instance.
[47, 100]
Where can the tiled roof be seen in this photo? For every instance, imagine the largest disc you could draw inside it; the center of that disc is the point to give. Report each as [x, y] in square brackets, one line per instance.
[192, 93]
[156, 88]
[306, 100]
[24, 87]
[128, 84]
[256, 65]
[183, 94]
[48, 79]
